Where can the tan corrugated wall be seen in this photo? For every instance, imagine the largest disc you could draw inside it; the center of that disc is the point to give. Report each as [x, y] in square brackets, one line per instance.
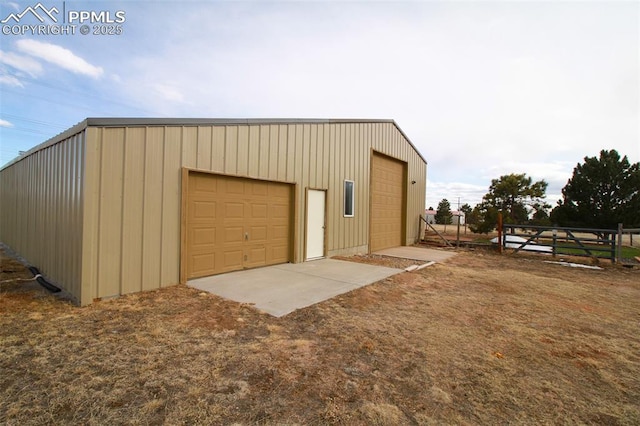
[41, 210]
[132, 213]
[126, 216]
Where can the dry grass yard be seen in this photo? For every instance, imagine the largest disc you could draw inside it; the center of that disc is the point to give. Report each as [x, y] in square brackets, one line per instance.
[480, 339]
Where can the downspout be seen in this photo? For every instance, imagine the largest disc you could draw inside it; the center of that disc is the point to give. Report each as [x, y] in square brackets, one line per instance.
[42, 281]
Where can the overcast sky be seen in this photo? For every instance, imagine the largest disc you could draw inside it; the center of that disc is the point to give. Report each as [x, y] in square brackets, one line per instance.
[481, 88]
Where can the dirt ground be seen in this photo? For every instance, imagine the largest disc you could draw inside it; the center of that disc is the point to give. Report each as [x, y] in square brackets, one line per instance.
[479, 339]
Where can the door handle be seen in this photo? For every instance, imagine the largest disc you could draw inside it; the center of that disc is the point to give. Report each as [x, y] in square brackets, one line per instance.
[246, 236]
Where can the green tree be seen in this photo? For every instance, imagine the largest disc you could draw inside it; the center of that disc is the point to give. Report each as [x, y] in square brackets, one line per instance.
[516, 196]
[466, 209]
[601, 193]
[540, 215]
[483, 218]
[443, 214]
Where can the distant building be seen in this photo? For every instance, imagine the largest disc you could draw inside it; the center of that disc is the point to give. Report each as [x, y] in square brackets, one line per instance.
[430, 216]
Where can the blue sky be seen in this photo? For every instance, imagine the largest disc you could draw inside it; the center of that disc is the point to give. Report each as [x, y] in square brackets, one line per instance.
[481, 88]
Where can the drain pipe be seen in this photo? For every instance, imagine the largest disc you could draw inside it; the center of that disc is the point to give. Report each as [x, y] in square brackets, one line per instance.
[42, 281]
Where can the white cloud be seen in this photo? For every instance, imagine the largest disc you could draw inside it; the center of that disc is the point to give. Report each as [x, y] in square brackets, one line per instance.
[60, 56]
[21, 63]
[10, 80]
[5, 123]
[481, 88]
[551, 171]
[169, 93]
[467, 193]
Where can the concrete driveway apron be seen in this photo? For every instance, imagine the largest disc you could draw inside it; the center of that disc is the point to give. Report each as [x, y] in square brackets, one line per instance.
[281, 289]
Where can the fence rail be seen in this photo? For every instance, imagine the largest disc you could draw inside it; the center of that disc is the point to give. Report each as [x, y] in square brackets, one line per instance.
[587, 242]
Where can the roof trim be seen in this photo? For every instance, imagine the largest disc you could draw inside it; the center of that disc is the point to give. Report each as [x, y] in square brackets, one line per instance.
[155, 121]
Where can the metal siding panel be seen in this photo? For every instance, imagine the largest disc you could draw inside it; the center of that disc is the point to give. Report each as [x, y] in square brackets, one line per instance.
[303, 158]
[110, 231]
[366, 181]
[67, 261]
[333, 193]
[55, 219]
[204, 147]
[77, 202]
[132, 210]
[253, 151]
[36, 213]
[7, 213]
[217, 150]
[231, 150]
[311, 155]
[44, 201]
[189, 139]
[300, 178]
[171, 198]
[39, 200]
[264, 152]
[63, 209]
[325, 155]
[91, 215]
[152, 224]
[290, 156]
[16, 199]
[274, 145]
[242, 165]
[283, 151]
[341, 175]
[359, 153]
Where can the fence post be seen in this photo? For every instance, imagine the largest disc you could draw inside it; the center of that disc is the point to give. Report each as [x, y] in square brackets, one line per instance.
[619, 247]
[555, 242]
[500, 242]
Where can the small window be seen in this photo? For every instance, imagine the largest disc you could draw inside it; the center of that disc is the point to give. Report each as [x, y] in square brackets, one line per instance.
[349, 198]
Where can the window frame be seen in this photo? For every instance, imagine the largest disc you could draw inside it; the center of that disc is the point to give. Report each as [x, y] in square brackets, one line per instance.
[349, 187]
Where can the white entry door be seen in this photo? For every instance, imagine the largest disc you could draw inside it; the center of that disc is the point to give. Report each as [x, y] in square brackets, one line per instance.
[315, 224]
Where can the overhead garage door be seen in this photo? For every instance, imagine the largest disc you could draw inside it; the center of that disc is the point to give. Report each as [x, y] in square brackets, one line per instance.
[235, 223]
[387, 202]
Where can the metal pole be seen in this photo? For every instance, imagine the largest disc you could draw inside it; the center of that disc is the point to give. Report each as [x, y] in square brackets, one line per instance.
[458, 232]
[619, 250]
[555, 242]
[500, 242]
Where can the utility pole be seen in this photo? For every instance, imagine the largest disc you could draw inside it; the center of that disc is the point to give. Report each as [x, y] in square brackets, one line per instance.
[458, 233]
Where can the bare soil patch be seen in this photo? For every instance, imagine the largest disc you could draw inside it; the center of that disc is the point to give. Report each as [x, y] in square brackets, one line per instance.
[481, 338]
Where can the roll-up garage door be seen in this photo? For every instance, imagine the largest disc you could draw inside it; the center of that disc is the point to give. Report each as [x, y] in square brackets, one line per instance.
[235, 223]
[387, 202]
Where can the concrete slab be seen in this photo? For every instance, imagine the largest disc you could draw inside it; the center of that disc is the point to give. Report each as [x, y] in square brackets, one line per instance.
[417, 253]
[281, 289]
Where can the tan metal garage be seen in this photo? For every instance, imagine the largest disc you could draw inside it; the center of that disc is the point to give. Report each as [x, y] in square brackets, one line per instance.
[120, 205]
[387, 202]
[235, 223]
